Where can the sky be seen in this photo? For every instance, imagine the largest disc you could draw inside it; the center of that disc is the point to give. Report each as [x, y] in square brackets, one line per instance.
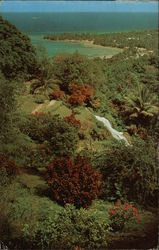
[79, 6]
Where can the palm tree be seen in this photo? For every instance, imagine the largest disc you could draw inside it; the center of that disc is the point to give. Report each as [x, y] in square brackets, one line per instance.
[141, 105]
[44, 82]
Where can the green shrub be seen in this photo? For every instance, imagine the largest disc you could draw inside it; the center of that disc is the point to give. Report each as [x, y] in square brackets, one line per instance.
[76, 68]
[39, 156]
[17, 206]
[10, 166]
[130, 172]
[4, 179]
[35, 126]
[59, 136]
[68, 229]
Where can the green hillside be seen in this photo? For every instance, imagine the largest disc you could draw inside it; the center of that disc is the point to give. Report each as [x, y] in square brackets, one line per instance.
[66, 182]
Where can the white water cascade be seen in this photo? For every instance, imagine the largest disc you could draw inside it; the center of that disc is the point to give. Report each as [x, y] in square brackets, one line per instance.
[116, 134]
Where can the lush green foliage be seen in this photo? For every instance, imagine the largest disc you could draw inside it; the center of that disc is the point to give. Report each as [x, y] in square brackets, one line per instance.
[69, 229]
[76, 68]
[20, 204]
[17, 55]
[74, 182]
[122, 89]
[141, 106]
[59, 136]
[128, 90]
[4, 178]
[7, 104]
[68, 36]
[38, 157]
[142, 39]
[43, 83]
[130, 172]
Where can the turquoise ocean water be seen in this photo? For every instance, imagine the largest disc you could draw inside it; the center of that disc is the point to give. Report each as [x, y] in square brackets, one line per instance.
[38, 24]
[57, 47]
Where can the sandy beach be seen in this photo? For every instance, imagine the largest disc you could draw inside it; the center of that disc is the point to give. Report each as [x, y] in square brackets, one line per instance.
[91, 44]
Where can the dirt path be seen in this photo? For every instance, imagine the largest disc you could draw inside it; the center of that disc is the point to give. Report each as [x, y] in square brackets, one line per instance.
[51, 103]
[43, 105]
[38, 108]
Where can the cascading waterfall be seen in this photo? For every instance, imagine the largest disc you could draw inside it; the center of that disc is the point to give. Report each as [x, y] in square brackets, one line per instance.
[116, 134]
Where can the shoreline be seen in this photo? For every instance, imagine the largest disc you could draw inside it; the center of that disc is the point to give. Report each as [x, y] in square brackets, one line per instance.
[90, 44]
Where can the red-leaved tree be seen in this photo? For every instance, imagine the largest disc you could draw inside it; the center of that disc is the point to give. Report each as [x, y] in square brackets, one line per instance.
[81, 94]
[74, 182]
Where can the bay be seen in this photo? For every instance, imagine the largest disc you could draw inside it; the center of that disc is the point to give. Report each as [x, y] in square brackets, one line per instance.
[59, 47]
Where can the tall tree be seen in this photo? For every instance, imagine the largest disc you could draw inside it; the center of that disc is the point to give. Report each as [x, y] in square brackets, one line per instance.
[8, 91]
[17, 55]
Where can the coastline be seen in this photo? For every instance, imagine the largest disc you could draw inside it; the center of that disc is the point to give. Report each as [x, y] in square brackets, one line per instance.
[87, 43]
[90, 44]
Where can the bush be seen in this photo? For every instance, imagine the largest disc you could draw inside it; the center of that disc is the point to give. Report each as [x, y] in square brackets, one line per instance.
[130, 172]
[35, 126]
[119, 214]
[69, 229]
[38, 157]
[61, 138]
[4, 179]
[10, 166]
[58, 94]
[73, 121]
[17, 207]
[74, 182]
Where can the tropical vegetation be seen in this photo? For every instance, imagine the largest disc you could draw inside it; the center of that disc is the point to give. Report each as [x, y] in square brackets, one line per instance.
[65, 182]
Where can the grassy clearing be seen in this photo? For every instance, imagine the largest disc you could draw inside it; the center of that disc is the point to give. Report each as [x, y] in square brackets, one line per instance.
[58, 109]
[83, 114]
[25, 200]
[27, 104]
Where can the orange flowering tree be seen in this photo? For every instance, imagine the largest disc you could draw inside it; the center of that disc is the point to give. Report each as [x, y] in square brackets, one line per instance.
[80, 94]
